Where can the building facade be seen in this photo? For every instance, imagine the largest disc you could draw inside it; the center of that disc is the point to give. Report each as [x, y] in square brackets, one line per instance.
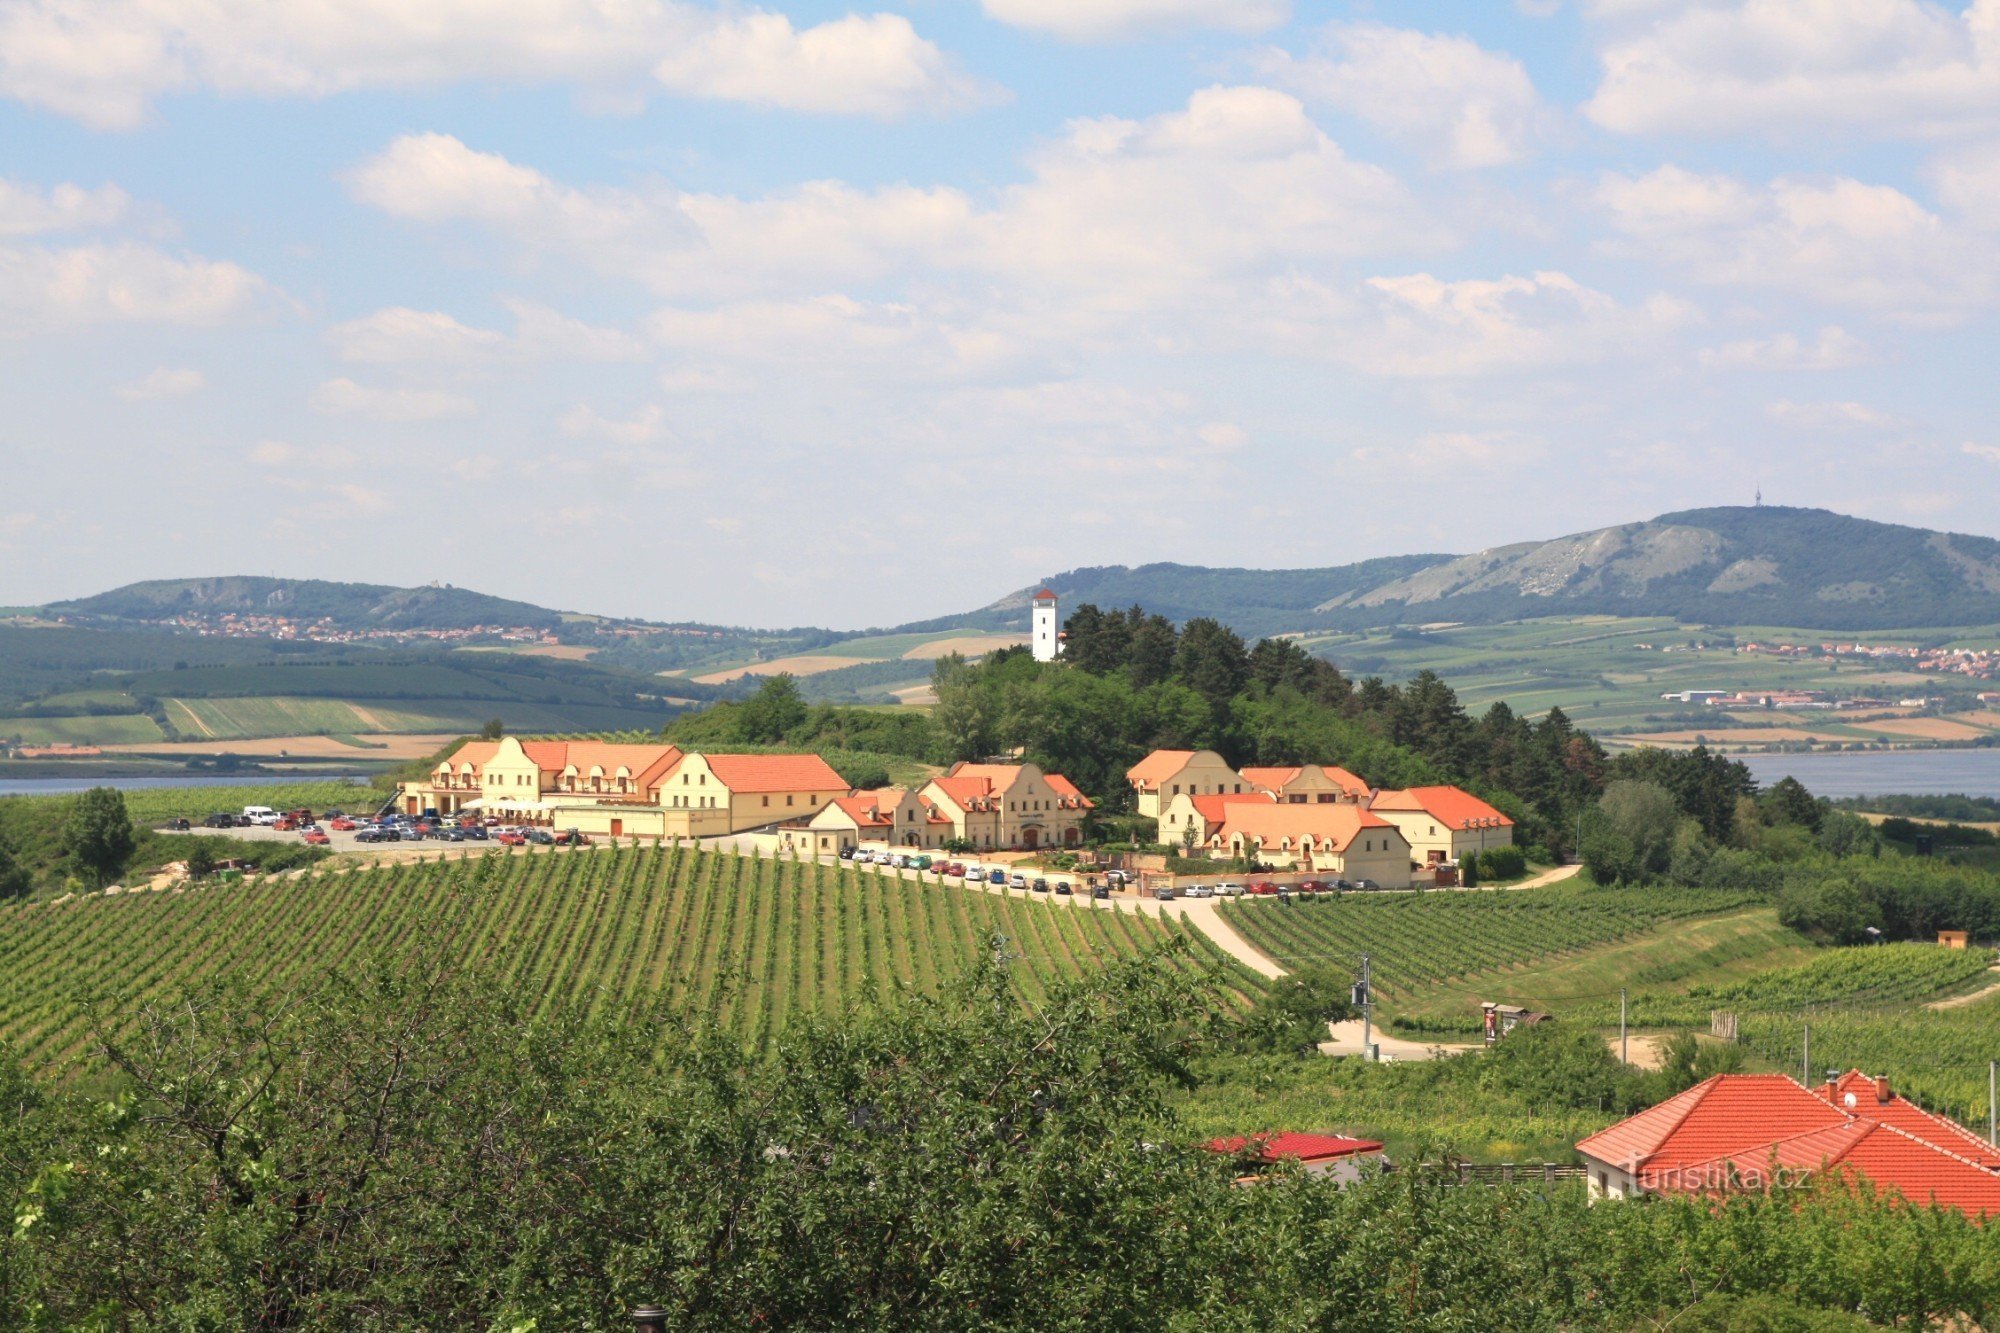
[1045, 637]
[1443, 823]
[1009, 806]
[1339, 839]
[1165, 774]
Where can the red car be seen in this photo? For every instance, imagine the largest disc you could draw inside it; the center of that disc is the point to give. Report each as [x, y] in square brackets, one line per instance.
[317, 838]
[513, 837]
[1262, 887]
[342, 825]
[286, 824]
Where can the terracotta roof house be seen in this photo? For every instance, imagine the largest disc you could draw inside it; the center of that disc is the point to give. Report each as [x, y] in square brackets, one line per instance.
[1165, 774]
[1009, 805]
[1444, 823]
[1344, 840]
[1765, 1131]
[888, 816]
[646, 790]
[1327, 1155]
[1204, 814]
[1309, 784]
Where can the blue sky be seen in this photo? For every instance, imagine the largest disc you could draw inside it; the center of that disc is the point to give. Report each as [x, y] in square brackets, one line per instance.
[815, 314]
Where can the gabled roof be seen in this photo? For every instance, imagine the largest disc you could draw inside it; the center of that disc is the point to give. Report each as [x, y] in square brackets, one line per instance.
[1729, 1131]
[774, 772]
[475, 753]
[1068, 791]
[871, 809]
[1160, 765]
[1334, 826]
[1273, 778]
[1276, 778]
[1294, 1144]
[1450, 806]
[965, 793]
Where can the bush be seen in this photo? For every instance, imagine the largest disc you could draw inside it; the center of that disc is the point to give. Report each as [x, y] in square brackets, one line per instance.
[1502, 862]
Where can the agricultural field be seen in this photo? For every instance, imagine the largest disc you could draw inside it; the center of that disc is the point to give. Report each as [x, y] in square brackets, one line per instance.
[754, 941]
[1419, 942]
[102, 729]
[1937, 1057]
[156, 805]
[1608, 673]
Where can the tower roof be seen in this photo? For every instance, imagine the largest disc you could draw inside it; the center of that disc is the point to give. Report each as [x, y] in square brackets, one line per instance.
[1045, 596]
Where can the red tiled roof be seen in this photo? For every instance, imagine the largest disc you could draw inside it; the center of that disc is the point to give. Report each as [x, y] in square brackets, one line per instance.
[965, 793]
[1293, 1144]
[1045, 596]
[475, 753]
[774, 772]
[1327, 825]
[1272, 777]
[1348, 782]
[1068, 790]
[1730, 1130]
[1157, 767]
[1450, 806]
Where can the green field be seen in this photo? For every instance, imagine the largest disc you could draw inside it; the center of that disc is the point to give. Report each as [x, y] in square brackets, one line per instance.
[1937, 1057]
[110, 729]
[1596, 669]
[249, 719]
[752, 941]
[1420, 943]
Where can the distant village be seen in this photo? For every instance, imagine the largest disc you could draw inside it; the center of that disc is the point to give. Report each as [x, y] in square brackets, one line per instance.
[234, 625]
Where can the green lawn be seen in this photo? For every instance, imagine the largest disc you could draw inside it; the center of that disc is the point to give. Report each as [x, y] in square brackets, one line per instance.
[117, 729]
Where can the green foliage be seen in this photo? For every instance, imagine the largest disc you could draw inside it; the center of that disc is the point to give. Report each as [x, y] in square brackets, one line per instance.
[1956, 807]
[1502, 863]
[773, 713]
[1293, 1013]
[97, 835]
[1630, 837]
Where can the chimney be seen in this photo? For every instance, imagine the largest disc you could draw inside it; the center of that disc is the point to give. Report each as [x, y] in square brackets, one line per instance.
[1882, 1093]
[1832, 1089]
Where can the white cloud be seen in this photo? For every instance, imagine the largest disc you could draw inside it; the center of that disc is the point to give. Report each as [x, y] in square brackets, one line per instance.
[1989, 452]
[1109, 20]
[1968, 182]
[582, 422]
[105, 61]
[43, 289]
[26, 211]
[1421, 326]
[1837, 241]
[1463, 105]
[1451, 452]
[1878, 67]
[1239, 181]
[163, 383]
[344, 398]
[1834, 349]
[1830, 416]
[398, 335]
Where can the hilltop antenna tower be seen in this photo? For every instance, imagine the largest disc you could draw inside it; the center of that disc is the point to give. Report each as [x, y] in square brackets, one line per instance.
[1758, 503]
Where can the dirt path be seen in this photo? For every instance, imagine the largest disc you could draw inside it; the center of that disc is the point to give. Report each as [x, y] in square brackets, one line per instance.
[1201, 913]
[1647, 1052]
[1960, 1001]
[1555, 876]
[1347, 1041]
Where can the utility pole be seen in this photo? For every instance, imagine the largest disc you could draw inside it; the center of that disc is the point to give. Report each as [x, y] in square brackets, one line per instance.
[1624, 1052]
[1367, 1007]
[1805, 1060]
[1992, 1104]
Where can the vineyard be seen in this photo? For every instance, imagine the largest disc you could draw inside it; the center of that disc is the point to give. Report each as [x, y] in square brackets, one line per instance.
[752, 941]
[156, 805]
[1419, 940]
[1939, 1058]
[1866, 975]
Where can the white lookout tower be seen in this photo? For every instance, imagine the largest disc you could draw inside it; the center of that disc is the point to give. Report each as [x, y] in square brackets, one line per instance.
[1047, 641]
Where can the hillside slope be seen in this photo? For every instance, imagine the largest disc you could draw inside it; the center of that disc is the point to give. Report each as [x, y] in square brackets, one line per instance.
[1743, 565]
[348, 605]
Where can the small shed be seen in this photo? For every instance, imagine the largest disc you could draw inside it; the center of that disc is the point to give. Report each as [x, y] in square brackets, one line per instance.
[1502, 1019]
[1954, 939]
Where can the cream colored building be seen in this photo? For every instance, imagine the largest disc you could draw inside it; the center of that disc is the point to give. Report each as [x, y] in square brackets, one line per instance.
[1008, 806]
[1204, 814]
[1337, 838]
[1165, 774]
[654, 791]
[889, 817]
[1443, 823]
[1309, 784]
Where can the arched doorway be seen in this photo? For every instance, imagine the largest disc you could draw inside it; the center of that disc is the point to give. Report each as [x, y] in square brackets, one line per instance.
[1031, 837]
[1071, 837]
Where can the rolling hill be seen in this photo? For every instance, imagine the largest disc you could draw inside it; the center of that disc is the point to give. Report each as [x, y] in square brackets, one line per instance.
[1762, 565]
[355, 606]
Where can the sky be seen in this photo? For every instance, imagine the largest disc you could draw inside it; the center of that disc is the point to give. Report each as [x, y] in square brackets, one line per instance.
[796, 313]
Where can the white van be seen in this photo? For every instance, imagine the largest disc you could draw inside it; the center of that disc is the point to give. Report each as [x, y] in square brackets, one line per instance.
[259, 814]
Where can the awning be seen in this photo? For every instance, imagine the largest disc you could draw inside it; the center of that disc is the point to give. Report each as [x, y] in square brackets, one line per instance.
[522, 807]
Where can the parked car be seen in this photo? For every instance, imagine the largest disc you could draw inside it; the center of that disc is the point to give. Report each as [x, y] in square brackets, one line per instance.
[572, 838]
[969, 871]
[333, 814]
[1229, 890]
[953, 868]
[179, 825]
[1118, 877]
[996, 877]
[1263, 888]
[341, 824]
[1039, 886]
[511, 837]
[921, 862]
[1164, 894]
[1099, 891]
[1311, 886]
[1201, 891]
[375, 834]
[1366, 884]
[1019, 882]
[219, 821]
[1064, 889]
[316, 837]
[541, 837]
[285, 824]
[477, 833]
[260, 815]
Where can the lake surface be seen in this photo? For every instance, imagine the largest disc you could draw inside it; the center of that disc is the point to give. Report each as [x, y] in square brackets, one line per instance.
[1884, 772]
[64, 786]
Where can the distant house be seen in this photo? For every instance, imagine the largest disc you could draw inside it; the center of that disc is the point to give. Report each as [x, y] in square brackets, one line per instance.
[1308, 784]
[1738, 1132]
[1009, 805]
[1335, 1157]
[1165, 774]
[1204, 814]
[1443, 823]
[889, 816]
[1343, 840]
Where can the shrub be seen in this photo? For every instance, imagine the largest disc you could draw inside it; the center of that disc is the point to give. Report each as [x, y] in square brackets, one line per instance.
[1502, 862]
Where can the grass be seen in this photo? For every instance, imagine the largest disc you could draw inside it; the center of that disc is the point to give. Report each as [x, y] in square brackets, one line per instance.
[257, 717]
[1668, 959]
[109, 729]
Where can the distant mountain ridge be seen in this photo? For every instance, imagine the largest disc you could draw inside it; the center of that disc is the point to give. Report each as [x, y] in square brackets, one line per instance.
[355, 606]
[1740, 565]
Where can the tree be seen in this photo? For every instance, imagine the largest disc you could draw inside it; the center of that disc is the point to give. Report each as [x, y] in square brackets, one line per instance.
[13, 876]
[1788, 802]
[494, 729]
[1212, 661]
[97, 837]
[963, 716]
[1293, 1014]
[773, 713]
[1632, 837]
[200, 858]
